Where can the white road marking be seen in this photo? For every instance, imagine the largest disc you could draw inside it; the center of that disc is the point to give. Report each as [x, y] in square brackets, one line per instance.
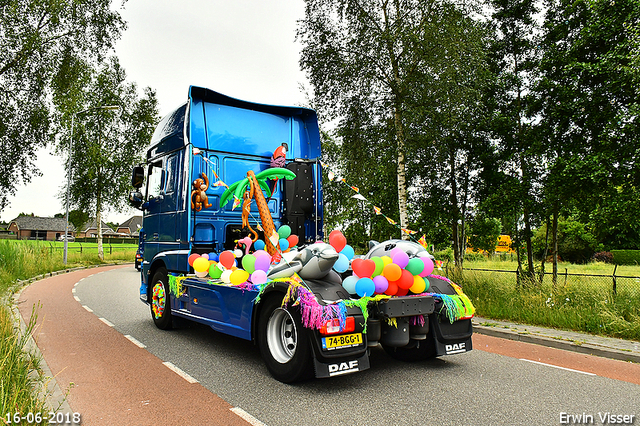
[106, 321]
[561, 368]
[179, 372]
[87, 308]
[135, 341]
[77, 298]
[73, 290]
[247, 417]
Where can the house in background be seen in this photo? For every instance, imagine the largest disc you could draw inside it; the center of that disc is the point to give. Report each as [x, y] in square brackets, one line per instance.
[131, 227]
[39, 228]
[90, 230]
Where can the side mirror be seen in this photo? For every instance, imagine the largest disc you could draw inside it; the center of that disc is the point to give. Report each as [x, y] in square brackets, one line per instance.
[135, 199]
[137, 178]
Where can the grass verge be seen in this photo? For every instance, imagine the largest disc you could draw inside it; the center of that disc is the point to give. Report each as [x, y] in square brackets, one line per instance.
[22, 383]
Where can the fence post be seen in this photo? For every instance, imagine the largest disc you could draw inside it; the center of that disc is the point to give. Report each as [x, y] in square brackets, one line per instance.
[615, 290]
[566, 272]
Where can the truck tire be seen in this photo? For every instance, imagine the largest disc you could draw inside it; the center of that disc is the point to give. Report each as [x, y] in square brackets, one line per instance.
[283, 341]
[423, 350]
[160, 300]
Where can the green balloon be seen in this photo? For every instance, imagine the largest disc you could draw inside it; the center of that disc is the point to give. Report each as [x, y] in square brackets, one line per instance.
[215, 272]
[249, 263]
[379, 265]
[284, 231]
[415, 266]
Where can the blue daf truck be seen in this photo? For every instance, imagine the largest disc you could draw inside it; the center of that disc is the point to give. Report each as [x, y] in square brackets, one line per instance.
[305, 326]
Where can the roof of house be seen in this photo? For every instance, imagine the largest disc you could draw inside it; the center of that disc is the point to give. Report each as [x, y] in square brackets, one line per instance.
[92, 224]
[35, 223]
[134, 223]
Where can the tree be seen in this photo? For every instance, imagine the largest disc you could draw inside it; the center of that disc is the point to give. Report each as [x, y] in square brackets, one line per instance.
[484, 233]
[106, 143]
[398, 77]
[36, 35]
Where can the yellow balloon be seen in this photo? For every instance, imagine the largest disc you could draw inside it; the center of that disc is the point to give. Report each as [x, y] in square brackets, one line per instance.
[418, 285]
[386, 260]
[239, 276]
[201, 264]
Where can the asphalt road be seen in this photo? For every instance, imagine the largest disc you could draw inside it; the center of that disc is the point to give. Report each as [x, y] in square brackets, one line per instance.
[476, 388]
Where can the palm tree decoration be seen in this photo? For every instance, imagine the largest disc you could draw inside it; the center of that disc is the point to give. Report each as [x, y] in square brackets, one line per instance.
[254, 184]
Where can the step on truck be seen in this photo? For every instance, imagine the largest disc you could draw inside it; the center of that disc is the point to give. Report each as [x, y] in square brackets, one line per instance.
[221, 176]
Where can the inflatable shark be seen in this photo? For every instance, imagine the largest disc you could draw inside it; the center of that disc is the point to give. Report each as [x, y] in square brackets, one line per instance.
[384, 248]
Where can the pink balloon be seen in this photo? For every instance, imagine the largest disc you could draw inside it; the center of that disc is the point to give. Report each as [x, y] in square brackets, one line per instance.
[395, 251]
[401, 259]
[262, 262]
[259, 277]
[428, 267]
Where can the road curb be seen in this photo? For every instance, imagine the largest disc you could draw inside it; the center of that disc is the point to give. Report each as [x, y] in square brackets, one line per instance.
[558, 343]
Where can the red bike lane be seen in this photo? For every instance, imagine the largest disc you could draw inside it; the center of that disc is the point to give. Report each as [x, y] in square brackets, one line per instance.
[109, 379]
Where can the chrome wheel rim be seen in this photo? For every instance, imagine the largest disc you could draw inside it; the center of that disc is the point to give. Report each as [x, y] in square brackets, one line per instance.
[282, 335]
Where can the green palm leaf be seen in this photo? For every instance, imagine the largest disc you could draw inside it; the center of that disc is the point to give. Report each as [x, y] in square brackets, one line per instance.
[276, 172]
[226, 195]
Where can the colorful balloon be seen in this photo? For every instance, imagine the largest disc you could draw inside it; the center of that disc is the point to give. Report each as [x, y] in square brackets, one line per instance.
[293, 240]
[284, 244]
[227, 259]
[193, 257]
[201, 264]
[226, 276]
[349, 284]
[392, 289]
[415, 266]
[406, 280]
[215, 271]
[262, 262]
[239, 276]
[348, 251]
[418, 285]
[202, 274]
[364, 269]
[401, 259]
[284, 231]
[379, 265]
[365, 287]
[386, 260]
[213, 256]
[428, 266]
[337, 241]
[392, 272]
[249, 263]
[342, 264]
[259, 277]
[381, 284]
[259, 245]
[205, 255]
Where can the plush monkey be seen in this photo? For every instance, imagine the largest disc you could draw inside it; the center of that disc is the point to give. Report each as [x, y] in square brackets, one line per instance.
[199, 194]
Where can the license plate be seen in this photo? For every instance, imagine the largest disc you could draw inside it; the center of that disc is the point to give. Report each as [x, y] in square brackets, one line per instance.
[344, 341]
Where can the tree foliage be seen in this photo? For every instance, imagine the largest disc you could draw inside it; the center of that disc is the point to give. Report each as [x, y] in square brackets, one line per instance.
[106, 144]
[37, 37]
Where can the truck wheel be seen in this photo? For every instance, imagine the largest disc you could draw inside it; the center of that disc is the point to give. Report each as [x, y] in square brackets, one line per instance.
[283, 342]
[425, 349]
[160, 300]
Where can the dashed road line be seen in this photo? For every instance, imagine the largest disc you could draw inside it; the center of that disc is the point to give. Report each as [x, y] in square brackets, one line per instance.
[247, 417]
[87, 308]
[77, 298]
[135, 341]
[106, 321]
[179, 372]
[557, 366]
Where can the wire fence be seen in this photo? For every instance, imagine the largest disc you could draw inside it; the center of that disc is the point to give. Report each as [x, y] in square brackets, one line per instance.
[78, 247]
[603, 282]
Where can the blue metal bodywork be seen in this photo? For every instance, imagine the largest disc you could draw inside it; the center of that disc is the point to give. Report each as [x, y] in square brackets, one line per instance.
[225, 137]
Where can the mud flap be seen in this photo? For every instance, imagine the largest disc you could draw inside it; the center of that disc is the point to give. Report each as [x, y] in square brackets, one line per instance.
[451, 339]
[340, 367]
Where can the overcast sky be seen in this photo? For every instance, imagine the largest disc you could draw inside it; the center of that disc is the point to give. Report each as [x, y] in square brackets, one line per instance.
[242, 48]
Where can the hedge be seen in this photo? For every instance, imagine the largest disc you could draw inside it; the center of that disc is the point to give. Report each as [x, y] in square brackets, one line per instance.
[626, 257]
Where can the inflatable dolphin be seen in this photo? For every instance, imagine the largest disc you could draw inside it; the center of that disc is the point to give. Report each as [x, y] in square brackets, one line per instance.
[384, 248]
[312, 262]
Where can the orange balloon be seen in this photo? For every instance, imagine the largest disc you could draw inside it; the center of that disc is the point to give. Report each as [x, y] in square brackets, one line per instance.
[392, 272]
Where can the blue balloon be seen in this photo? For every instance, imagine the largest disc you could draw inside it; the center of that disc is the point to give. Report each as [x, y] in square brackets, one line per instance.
[342, 264]
[259, 245]
[213, 256]
[284, 244]
[365, 287]
[348, 251]
[349, 284]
